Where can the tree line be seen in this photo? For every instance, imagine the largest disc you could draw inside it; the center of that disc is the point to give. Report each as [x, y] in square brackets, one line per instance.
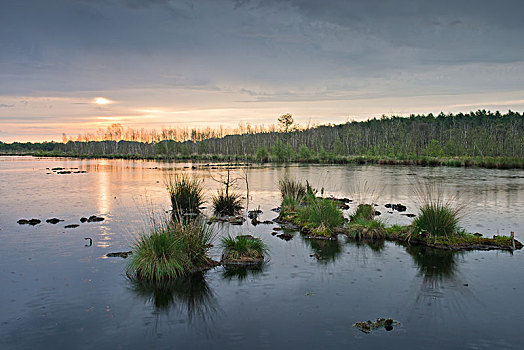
[475, 134]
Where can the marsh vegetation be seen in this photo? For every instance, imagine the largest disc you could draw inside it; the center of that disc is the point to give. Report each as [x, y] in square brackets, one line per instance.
[436, 225]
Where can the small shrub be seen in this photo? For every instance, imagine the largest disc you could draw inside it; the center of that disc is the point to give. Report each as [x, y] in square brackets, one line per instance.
[262, 155]
[227, 204]
[186, 194]
[243, 247]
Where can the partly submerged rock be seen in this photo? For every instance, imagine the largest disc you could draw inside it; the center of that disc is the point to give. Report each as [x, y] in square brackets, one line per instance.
[31, 222]
[285, 236]
[53, 221]
[368, 326]
[94, 218]
[71, 226]
[253, 214]
[119, 254]
[398, 207]
[82, 219]
[236, 220]
[217, 219]
[409, 215]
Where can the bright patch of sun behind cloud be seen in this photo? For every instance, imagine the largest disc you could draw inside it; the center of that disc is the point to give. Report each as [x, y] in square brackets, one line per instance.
[102, 101]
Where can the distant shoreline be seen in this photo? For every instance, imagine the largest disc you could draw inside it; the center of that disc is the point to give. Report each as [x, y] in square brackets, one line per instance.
[467, 162]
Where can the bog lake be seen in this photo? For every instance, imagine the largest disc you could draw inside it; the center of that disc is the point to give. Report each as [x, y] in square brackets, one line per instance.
[57, 291]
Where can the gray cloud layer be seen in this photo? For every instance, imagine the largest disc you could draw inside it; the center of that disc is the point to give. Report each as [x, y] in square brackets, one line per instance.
[261, 50]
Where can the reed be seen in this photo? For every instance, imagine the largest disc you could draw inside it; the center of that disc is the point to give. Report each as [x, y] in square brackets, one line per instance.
[185, 192]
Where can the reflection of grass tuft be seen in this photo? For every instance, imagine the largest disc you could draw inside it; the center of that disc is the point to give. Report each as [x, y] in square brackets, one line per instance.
[191, 291]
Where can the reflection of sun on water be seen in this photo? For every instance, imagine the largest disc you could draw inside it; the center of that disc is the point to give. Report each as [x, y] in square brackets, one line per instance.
[103, 204]
[103, 192]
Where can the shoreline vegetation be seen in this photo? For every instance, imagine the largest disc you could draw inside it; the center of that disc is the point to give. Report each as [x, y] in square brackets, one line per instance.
[436, 226]
[203, 160]
[478, 139]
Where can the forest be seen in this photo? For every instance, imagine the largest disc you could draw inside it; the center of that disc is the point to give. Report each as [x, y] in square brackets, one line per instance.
[485, 135]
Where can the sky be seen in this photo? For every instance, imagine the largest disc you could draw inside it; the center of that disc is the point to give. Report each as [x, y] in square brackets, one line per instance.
[73, 66]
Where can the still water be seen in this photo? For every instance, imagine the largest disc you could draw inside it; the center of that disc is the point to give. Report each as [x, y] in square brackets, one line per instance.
[59, 292]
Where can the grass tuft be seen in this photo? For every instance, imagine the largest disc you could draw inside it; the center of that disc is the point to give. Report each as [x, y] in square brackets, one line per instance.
[437, 217]
[172, 249]
[243, 247]
[362, 228]
[186, 194]
[292, 189]
[227, 204]
[320, 215]
[364, 212]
